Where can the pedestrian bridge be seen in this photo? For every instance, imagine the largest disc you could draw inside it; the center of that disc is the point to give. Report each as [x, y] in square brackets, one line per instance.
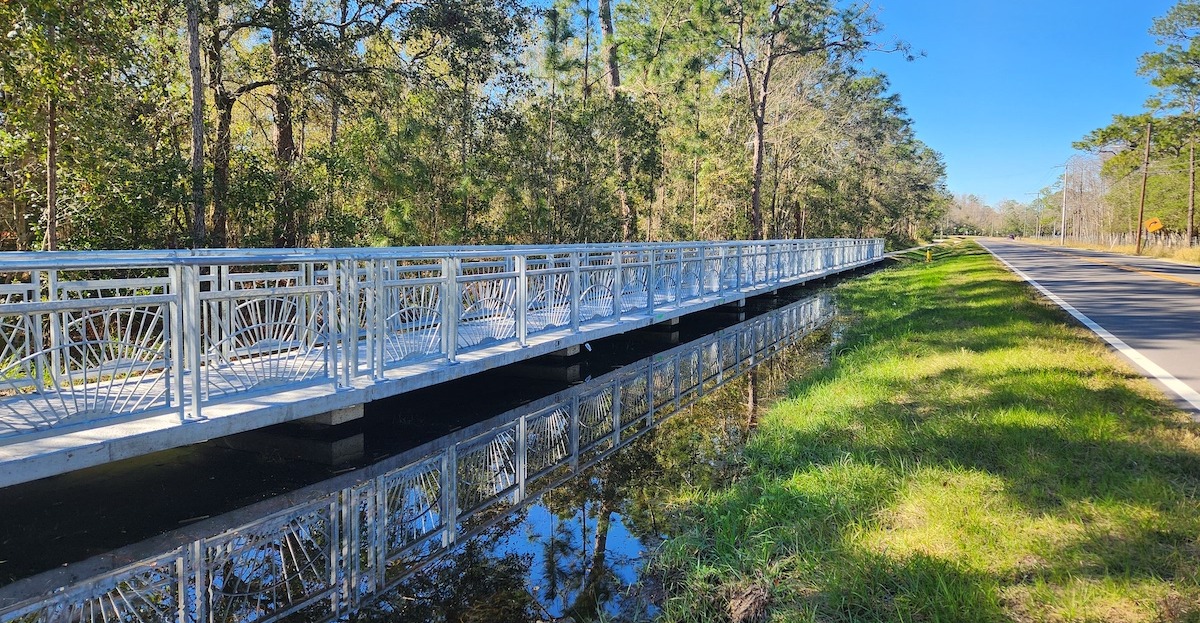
[111, 354]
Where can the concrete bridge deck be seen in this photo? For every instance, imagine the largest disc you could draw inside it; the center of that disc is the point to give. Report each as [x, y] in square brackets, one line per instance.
[109, 355]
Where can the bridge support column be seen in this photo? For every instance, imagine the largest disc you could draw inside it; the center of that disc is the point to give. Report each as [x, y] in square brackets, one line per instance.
[335, 417]
[545, 371]
[294, 443]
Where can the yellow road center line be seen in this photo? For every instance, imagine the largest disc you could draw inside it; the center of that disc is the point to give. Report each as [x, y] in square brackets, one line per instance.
[1148, 273]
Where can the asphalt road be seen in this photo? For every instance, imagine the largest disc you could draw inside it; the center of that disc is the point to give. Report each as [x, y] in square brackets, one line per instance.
[1151, 307]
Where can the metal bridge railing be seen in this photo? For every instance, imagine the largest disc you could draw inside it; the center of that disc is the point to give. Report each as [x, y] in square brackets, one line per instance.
[92, 336]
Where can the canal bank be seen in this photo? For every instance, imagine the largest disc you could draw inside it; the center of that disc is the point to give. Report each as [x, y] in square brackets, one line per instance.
[969, 455]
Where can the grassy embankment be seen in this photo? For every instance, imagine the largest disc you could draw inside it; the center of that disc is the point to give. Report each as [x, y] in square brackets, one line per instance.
[969, 455]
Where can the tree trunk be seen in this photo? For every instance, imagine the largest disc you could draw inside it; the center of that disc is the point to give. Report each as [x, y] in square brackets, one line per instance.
[287, 230]
[193, 26]
[222, 146]
[756, 222]
[52, 174]
[221, 153]
[1191, 221]
[610, 48]
[612, 81]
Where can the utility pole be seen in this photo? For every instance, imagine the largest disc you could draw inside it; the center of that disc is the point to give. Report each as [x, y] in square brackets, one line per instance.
[1145, 176]
[1062, 227]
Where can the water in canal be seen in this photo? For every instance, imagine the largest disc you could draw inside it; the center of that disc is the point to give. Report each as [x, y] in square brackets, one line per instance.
[529, 493]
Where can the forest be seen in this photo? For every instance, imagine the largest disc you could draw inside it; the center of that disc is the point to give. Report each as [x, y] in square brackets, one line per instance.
[285, 123]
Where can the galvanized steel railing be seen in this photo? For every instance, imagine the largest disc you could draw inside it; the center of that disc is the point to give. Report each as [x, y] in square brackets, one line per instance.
[361, 534]
[90, 336]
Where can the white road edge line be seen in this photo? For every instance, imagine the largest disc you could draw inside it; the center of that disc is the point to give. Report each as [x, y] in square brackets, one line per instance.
[1183, 390]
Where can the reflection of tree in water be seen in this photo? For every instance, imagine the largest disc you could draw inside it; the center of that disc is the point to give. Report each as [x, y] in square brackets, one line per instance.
[471, 585]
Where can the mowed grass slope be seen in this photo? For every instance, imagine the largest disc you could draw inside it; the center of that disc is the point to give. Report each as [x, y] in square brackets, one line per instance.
[969, 455]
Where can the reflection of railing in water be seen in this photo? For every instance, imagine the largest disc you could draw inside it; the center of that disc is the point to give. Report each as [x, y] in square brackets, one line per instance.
[354, 540]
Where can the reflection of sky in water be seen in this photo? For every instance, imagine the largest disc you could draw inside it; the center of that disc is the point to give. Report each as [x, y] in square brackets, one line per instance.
[574, 539]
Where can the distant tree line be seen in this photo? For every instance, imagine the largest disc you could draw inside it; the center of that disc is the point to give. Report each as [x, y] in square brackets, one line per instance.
[177, 123]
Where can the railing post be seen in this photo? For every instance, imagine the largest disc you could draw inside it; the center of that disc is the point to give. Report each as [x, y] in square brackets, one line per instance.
[346, 295]
[377, 313]
[767, 262]
[178, 338]
[738, 281]
[192, 334]
[451, 301]
[679, 275]
[33, 325]
[522, 310]
[616, 415]
[618, 285]
[56, 330]
[575, 290]
[449, 491]
[573, 433]
[700, 274]
[651, 282]
[522, 458]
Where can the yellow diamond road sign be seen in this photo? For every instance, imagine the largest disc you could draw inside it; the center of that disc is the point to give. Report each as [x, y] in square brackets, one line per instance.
[1153, 225]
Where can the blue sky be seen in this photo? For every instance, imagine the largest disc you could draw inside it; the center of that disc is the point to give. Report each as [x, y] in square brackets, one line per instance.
[1007, 85]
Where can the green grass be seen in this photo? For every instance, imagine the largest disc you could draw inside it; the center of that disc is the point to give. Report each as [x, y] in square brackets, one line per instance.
[969, 455]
